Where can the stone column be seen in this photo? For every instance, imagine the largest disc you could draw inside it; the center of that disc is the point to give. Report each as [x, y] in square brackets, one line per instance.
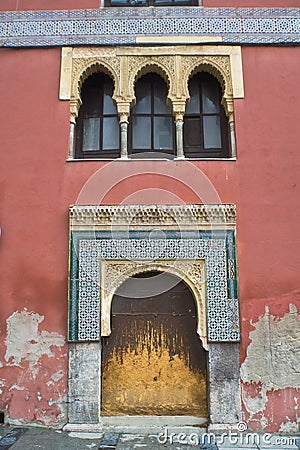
[228, 105]
[75, 104]
[71, 141]
[124, 136]
[224, 386]
[178, 111]
[179, 139]
[84, 400]
[124, 112]
[232, 139]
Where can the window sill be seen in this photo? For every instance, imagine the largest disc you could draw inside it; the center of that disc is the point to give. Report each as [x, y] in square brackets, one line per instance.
[148, 159]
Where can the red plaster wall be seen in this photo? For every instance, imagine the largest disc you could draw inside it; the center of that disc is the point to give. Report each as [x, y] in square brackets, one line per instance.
[38, 185]
[28, 5]
[251, 3]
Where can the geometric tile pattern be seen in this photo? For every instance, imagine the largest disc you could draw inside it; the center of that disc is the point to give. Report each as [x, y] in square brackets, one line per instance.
[115, 26]
[217, 248]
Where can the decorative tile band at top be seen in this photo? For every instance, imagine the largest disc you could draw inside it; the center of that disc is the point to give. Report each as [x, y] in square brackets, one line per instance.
[122, 26]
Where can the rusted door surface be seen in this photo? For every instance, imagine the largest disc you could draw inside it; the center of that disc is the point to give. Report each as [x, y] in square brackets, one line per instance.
[153, 361]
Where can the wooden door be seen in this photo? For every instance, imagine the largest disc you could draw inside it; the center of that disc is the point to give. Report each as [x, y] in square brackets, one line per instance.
[153, 362]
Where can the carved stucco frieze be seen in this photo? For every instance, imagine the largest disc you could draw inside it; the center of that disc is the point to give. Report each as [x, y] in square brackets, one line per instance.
[125, 69]
[179, 216]
[115, 273]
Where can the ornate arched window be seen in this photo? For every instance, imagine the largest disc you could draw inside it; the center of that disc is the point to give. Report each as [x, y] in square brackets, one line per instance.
[151, 120]
[97, 127]
[205, 121]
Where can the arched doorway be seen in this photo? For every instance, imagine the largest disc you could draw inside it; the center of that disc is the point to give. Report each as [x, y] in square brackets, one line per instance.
[153, 363]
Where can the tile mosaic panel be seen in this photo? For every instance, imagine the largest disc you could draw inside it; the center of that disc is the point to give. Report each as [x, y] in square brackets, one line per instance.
[116, 26]
[216, 248]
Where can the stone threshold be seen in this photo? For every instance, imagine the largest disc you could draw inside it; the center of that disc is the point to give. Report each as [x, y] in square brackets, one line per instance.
[138, 424]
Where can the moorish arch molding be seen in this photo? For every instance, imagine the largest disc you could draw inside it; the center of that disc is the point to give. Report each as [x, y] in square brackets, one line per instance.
[82, 69]
[176, 65]
[143, 65]
[115, 273]
[218, 67]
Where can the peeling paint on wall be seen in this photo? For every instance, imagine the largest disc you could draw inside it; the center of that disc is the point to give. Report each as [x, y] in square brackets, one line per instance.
[34, 376]
[270, 371]
[25, 342]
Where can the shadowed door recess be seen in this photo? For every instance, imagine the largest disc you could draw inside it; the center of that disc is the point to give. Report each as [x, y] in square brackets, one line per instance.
[153, 361]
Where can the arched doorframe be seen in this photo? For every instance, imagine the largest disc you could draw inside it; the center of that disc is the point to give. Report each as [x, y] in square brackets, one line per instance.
[115, 272]
[103, 235]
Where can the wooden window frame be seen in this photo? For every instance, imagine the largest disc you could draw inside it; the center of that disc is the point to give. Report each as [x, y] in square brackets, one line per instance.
[152, 151]
[83, 114]
[199, 152]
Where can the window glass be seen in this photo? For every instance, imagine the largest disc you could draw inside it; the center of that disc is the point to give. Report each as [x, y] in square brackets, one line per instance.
[150, 2]
[205, 122]
[111, 134]
[160, 99]
[97, 128]
[141, 133]
[193, 105]
[143, 98]
[212, 132]
[151, 121]
[109, 106]
[91, 134]
[163, 136]
[210, 96]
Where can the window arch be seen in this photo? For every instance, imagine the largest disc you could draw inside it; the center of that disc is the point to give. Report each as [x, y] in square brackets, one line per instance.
[97, 127]
[151, 120]
[205, 122]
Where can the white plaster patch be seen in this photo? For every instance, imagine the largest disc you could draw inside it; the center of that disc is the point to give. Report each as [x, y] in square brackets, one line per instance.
[57, 375]
[24, 341]
[272, 356]
[17, 387]
[2, 384]
[289, 427]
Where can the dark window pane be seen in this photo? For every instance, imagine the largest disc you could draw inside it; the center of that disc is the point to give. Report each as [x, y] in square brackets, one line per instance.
[108, 105]
[91, 134]
[193, 106]
[163, 136]
[210, 96]
[192, 132]
[92, 101]
[141, 133]
[143, 98]
[128, 2]
[160, 98]
[111, 134]
[97, 130]
[212, 132]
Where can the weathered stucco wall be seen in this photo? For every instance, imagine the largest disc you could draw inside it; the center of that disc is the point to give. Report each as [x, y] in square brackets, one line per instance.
[38, 185]
[270, 370]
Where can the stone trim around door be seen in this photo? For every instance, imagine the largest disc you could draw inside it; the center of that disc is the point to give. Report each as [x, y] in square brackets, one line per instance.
[108, 244]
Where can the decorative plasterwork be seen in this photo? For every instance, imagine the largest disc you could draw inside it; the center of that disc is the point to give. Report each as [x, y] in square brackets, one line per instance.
[175, 64]
[176, 217]
[114, 273]
[126, 26]
[181, 239]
